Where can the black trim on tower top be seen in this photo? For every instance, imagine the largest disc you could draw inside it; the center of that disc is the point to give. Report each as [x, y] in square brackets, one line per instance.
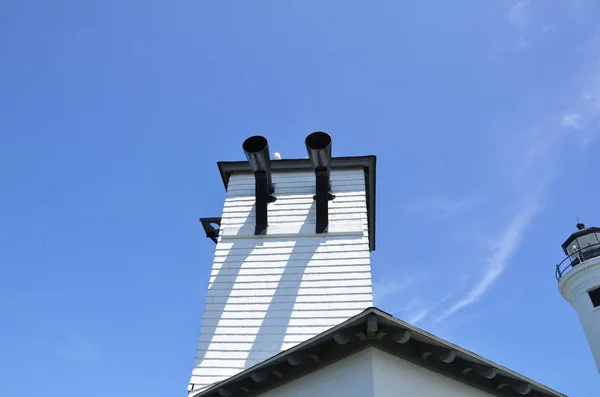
[367, 163]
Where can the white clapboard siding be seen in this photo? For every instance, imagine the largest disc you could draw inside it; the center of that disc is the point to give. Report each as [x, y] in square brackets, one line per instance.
[281, 206]
[290, 278]
[302, 272]
[234, 293]
[307, 331]
[314, 241]
[237, 351]
[294, 218]
[304, 255]
[222, 268]
[243, 307]
[294, 322]
[284, 299]
[299, 229]
[245, 338]
[344, 313]
[282, 250]
[297, 177]
[321, 284]
[236, 263]
[304, 200]
[269, 293]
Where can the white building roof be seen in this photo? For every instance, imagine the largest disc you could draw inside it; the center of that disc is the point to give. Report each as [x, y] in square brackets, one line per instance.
[375, 328]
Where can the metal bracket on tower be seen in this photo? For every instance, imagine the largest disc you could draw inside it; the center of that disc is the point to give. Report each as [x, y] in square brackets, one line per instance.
[208, 224]
[264, 196]
[323, 188]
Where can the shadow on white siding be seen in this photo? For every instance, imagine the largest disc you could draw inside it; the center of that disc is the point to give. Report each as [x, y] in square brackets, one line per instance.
[277, 321]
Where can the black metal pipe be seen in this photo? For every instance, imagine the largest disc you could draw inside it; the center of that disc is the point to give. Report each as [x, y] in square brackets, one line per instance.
[256, 149]
[318, 146]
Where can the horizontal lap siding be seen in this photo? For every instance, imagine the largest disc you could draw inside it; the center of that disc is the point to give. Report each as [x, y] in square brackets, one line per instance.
[266, 295]
[307, 286]
[300, 292]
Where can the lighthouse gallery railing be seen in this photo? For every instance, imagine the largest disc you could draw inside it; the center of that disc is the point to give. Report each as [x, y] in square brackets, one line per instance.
[577, 257]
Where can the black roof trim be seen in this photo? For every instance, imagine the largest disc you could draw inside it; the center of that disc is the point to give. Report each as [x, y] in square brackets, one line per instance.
[368, 163]
[577, 234]
[375, 328]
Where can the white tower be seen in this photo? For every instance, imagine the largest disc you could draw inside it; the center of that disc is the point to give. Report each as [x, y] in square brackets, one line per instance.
[292, 257]
[579, 281]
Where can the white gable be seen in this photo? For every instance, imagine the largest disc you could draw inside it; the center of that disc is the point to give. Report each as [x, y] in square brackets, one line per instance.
[373, 373]
[350, 377]
[391, 374]
[269, 293]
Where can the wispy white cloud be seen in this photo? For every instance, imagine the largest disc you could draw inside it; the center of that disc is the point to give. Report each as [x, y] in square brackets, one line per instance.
[582, 10]
[443, 206]
[386, 289]
[520, 14]
[591, 92]
[420, 315]
[501, 250]
[547, 29]
[522, 44]
[585, 111]
[412, 311]
[529, 163]
[535, 168]
[417, 310]
[571, 121]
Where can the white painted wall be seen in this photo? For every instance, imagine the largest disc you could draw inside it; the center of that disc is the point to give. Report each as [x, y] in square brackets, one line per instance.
[373, 373]
[269, 293]
[574, 287]
[350, 377]
[393, 376]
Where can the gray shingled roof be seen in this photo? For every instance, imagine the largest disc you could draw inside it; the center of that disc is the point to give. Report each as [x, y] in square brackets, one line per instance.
[375, 328]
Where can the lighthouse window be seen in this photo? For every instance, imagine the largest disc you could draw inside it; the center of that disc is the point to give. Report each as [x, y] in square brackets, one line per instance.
[573, 248]
[589, 240]
[595, 296]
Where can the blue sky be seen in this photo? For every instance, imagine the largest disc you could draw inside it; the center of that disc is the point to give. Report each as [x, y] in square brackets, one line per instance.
[484, 116]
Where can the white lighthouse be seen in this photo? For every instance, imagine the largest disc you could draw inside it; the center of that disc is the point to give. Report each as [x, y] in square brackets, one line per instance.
[579, 281]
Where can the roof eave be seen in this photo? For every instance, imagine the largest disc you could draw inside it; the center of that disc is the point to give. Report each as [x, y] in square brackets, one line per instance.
[380, 330]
